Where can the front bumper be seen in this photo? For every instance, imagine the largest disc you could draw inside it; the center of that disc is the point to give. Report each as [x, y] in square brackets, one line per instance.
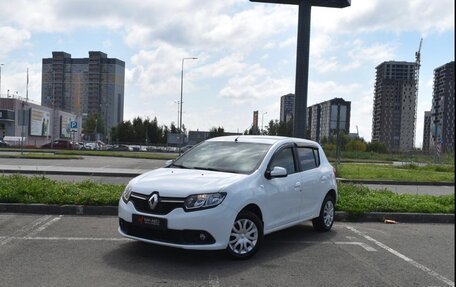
[184, 229]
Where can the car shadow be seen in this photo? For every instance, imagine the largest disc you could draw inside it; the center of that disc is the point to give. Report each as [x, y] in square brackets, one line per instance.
[141, 258]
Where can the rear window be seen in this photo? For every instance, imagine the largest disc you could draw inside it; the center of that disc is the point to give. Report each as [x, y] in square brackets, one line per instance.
[308, 157]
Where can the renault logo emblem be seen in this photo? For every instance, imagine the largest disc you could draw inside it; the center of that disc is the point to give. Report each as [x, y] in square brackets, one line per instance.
[153, 201]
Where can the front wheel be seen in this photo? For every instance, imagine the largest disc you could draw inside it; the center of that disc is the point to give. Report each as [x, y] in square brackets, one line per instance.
[246, 236]
[325, 220]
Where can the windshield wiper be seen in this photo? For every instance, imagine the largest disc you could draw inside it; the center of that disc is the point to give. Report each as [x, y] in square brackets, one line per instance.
[206, 168]
[178, 166]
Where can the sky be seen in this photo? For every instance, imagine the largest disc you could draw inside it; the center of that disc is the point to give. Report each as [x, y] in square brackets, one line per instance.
[246, 53]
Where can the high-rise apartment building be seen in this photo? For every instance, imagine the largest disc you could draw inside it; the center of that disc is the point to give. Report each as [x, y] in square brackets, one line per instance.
[427, 131]
[395, 101]
[442, 113]
[93, 85]
[325, 119]
[287, 107]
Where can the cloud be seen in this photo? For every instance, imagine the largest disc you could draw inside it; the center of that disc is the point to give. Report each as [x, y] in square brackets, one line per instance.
[11, 39]
[387, 15]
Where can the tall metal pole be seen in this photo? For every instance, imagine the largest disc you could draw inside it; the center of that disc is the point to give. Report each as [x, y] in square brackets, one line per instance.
[1, 79]
[262, 125]
[302, 70]
[182, 93]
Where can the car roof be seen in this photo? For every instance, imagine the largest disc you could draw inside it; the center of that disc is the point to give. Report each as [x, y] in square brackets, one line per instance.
[266, 140]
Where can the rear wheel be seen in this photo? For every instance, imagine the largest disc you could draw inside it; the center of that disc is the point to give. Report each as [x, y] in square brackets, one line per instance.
[325, 220]
[246, 236]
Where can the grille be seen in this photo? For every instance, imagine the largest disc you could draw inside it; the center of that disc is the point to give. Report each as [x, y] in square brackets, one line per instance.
[165, 204]
[184, 237]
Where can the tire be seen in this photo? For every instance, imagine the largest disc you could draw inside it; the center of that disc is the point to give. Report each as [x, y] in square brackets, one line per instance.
[325, 220]
[246, 236]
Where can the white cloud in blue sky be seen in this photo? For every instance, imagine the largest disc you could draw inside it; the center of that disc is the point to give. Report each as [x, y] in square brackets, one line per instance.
[246, 52]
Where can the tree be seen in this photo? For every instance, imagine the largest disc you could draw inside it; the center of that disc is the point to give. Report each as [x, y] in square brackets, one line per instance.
[216, 132]
[356, 145]
[94, 124]
[376, 146]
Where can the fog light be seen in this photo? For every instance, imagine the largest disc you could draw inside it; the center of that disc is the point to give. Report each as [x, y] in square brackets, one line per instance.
[202, 236]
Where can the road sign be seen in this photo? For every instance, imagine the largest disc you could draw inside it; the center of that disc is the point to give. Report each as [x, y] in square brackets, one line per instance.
[73, 126]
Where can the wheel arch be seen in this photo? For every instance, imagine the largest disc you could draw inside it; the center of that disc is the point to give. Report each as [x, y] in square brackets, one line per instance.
[255, 209]
[332, 193]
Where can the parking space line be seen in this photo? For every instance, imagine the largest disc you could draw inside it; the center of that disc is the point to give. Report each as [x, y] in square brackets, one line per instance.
[26, 229]
[44, 226]
[360, 244]
[71, 238]
[403, 257]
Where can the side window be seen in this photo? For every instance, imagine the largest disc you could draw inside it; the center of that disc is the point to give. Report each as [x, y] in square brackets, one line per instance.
[284, 159]
[308, 157]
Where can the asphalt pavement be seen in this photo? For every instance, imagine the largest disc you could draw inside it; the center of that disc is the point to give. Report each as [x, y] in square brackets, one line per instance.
[45, 250]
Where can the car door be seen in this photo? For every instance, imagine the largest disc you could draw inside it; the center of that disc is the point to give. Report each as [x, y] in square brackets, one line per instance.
[283, 194]
[310, 174]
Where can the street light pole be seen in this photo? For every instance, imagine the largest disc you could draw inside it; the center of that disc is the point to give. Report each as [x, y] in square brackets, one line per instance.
[182, 92]
[1, 79]
[262, 125]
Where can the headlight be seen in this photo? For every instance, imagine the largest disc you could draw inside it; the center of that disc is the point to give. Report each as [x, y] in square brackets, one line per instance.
[126, 194]
[201, 201]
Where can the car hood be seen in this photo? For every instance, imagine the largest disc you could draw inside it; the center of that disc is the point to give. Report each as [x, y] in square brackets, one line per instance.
[176, 182]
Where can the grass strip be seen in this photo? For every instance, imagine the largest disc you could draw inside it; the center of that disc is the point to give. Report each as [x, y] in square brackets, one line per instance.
[40, 156]
[428, 173]
[40, 189]
[354, 199]
[357, 199]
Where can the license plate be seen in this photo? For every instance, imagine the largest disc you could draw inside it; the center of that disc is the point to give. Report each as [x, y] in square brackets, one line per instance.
[149, 222]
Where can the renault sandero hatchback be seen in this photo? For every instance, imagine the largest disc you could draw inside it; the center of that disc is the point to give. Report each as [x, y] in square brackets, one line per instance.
[228, 192]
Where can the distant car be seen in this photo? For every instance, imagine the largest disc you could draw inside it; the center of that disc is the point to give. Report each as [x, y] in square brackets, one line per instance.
[186, 148]
[59, 144]
[3, 144]
[227, 192]
[119, 147]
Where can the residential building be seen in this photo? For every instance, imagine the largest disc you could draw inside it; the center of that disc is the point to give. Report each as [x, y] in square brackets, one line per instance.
[287, 107]
[325, 119]
[395, 101]
[93, 85]
[442, 113]
[427, 131]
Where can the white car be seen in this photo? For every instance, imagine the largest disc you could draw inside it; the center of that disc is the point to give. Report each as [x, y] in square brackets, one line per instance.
[228, 192]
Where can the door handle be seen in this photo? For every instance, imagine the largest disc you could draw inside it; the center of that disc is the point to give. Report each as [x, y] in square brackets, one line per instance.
[297, 186]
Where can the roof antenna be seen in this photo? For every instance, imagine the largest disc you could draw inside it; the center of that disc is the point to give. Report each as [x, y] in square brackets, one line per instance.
[236, 139]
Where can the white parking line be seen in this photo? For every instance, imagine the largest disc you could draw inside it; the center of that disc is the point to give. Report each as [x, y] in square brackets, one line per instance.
[26, 229]
[71, 238]
[44, 226]
[360, 244]
[403, 257]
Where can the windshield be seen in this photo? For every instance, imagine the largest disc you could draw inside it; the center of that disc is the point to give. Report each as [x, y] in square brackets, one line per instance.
[232, 157]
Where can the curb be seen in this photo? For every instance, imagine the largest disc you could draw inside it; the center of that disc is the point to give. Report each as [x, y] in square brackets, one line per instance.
[75, 173]
[390, 182]
[112, 211]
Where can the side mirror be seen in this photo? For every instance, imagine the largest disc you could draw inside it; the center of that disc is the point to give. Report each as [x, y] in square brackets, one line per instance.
[276, 172]
[169, 162]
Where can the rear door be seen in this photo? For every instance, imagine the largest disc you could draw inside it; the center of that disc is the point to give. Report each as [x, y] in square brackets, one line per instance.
[310, 175]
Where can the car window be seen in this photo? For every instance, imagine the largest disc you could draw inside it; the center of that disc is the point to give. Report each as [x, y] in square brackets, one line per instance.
[308, 158]
[284, 159]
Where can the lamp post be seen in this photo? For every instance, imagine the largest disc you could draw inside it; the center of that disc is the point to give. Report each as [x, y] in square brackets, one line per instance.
[262, 125]
[178, 103]
[182, 92]
[1, 79]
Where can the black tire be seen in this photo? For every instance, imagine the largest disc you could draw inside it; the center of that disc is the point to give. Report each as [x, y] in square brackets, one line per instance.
[325, 220]
[254, 224]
